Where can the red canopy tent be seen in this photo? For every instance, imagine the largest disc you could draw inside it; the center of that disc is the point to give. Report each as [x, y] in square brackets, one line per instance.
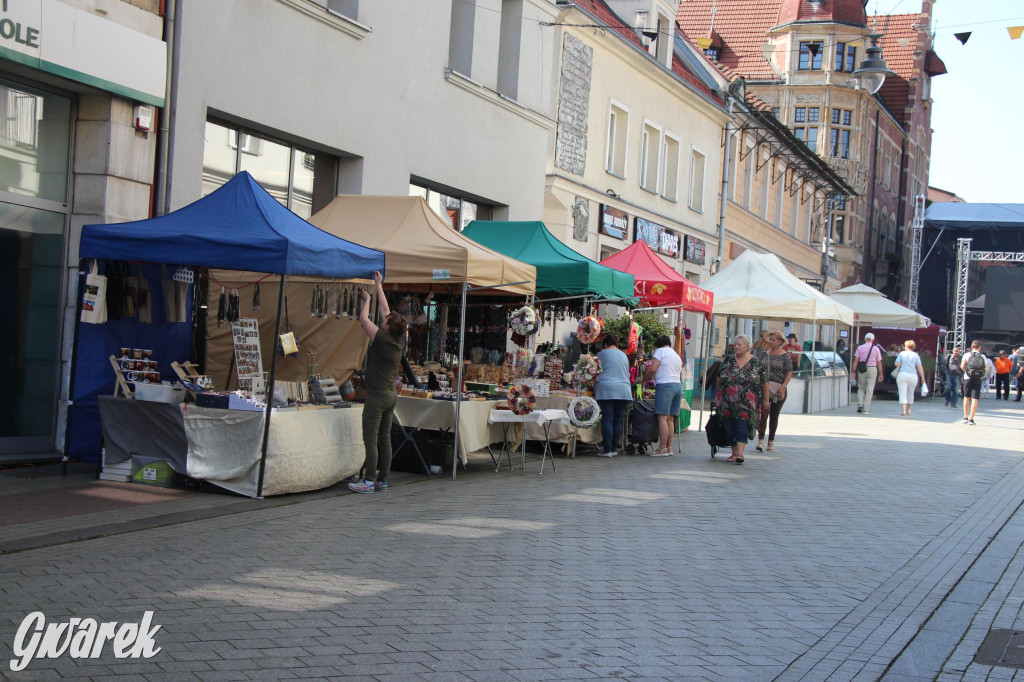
[658, 285]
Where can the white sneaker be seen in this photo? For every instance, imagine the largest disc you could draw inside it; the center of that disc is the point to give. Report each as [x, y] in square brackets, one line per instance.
[660, 453]
[361, 487]
[607, 454]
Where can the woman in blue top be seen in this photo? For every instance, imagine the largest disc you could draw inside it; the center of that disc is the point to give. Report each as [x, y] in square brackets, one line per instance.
[909, 364]
[613, 393]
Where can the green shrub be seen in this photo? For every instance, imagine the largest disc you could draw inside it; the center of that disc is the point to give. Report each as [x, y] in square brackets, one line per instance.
[653, 326]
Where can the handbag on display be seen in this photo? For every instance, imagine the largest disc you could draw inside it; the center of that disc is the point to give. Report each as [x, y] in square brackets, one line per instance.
[94, 296]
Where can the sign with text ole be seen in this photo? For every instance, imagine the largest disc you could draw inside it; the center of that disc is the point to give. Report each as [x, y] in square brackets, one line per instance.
[658, 237]
[614, 222]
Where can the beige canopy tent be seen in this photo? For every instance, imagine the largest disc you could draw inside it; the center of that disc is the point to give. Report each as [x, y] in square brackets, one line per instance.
[419, 246]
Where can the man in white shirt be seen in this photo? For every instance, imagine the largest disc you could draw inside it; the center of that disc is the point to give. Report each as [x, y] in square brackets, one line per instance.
[868, 359]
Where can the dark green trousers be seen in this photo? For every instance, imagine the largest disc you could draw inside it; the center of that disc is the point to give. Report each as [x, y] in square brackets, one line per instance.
[377, 415]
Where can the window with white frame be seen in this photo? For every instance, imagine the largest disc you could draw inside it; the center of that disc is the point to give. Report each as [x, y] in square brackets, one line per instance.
[615, 149]
[748, 178]
[670, 168]
[697, 165]
[779, 184]
[650, 147]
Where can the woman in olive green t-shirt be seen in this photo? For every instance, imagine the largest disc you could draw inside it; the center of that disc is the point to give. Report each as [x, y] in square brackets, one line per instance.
[383, 358]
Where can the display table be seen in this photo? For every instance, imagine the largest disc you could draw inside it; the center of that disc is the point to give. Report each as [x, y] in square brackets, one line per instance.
[542, 419]
[475, 432]
[140, 428]
[307, 449]
[562, 432]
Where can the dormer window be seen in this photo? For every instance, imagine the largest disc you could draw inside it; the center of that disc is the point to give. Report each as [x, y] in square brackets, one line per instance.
[810, 55]
[713, 52]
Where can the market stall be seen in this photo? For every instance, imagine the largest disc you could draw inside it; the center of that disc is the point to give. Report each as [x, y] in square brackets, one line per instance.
[239, 226]
[758, 286]
[562, 274]
[429, 261]
[657, 285]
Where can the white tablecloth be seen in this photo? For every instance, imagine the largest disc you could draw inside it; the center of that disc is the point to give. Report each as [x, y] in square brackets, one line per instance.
[307, 450]
[561, 432]
[475, 432]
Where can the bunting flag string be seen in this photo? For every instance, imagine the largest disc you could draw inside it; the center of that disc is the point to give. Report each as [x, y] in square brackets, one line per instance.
[963, 37]
[1015, 32]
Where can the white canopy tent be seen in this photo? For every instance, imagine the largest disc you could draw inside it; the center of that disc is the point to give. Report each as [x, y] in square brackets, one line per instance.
[872, 308]
[758, 286]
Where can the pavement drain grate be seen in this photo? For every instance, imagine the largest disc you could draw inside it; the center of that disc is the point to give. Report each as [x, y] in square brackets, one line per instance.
[1003, 648]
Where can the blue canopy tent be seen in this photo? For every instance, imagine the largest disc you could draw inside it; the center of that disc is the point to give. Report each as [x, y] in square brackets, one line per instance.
[239, 226]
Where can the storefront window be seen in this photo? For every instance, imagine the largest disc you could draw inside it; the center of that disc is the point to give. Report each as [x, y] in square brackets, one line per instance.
[458, 212]
[35, 137]
[34, 142]
[290, 174]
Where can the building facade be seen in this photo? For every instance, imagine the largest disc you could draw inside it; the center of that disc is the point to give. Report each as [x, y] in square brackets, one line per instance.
[799, 56]
[80, 89]
[636, 153]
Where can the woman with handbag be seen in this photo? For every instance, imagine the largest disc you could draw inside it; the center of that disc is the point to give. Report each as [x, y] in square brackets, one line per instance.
[779, 369]
[908, 370]
[742, 390]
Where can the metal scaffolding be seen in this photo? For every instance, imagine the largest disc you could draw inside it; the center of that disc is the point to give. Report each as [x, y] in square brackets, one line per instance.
[964, 256]
[916, 230]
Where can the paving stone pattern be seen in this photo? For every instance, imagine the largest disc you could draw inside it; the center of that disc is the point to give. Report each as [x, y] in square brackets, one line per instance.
[864, 547]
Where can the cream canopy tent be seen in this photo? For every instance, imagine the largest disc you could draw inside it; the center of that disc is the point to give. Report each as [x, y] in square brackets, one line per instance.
[757, 285]
[872, 308]
[419, 246]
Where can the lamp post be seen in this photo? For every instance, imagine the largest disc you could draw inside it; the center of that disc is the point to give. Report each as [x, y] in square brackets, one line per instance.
[873, 69]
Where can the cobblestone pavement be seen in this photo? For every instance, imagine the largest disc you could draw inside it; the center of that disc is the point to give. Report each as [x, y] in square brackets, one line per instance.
[863, 548]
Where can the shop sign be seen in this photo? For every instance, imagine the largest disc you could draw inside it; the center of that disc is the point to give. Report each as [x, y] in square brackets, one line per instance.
[55, 37]
[698, 296]
[813, 283]
[442, 274]
[614, 222]
[659, 238]
[696, 250]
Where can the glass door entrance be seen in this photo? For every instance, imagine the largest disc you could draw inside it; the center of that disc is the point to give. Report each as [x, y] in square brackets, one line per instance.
[35, 134]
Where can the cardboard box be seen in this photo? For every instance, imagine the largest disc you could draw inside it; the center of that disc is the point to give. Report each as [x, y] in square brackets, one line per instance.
[160, 393]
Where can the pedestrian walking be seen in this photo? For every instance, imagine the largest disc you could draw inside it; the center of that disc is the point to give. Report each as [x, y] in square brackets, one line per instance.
[383, 358]
[613, 394]
[742, 392]
[1018, 371]
[954, 376]
[909, 370]
[779, 370]
[761, 346]
[867, 363]
[666, 369]
[1004, 366]
[975, 367]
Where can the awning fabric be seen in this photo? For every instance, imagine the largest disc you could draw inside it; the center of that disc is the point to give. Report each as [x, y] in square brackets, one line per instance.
[560, 270]
[871, 307]
[421, 247]
[758, 285]
[238, 226]
[656, 283]
[973, 217]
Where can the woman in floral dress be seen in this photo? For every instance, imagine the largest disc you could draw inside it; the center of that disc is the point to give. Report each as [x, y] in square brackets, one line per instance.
[742, 392]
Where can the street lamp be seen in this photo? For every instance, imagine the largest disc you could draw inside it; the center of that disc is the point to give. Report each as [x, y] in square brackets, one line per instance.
[873, 69]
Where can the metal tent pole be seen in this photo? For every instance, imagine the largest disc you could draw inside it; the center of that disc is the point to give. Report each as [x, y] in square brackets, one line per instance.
[835, 338]
[71, 381]
[270, 389]
[458, 388]
[705, 350]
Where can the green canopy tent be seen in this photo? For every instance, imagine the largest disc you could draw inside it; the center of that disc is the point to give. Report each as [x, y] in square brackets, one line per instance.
[560, 270]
